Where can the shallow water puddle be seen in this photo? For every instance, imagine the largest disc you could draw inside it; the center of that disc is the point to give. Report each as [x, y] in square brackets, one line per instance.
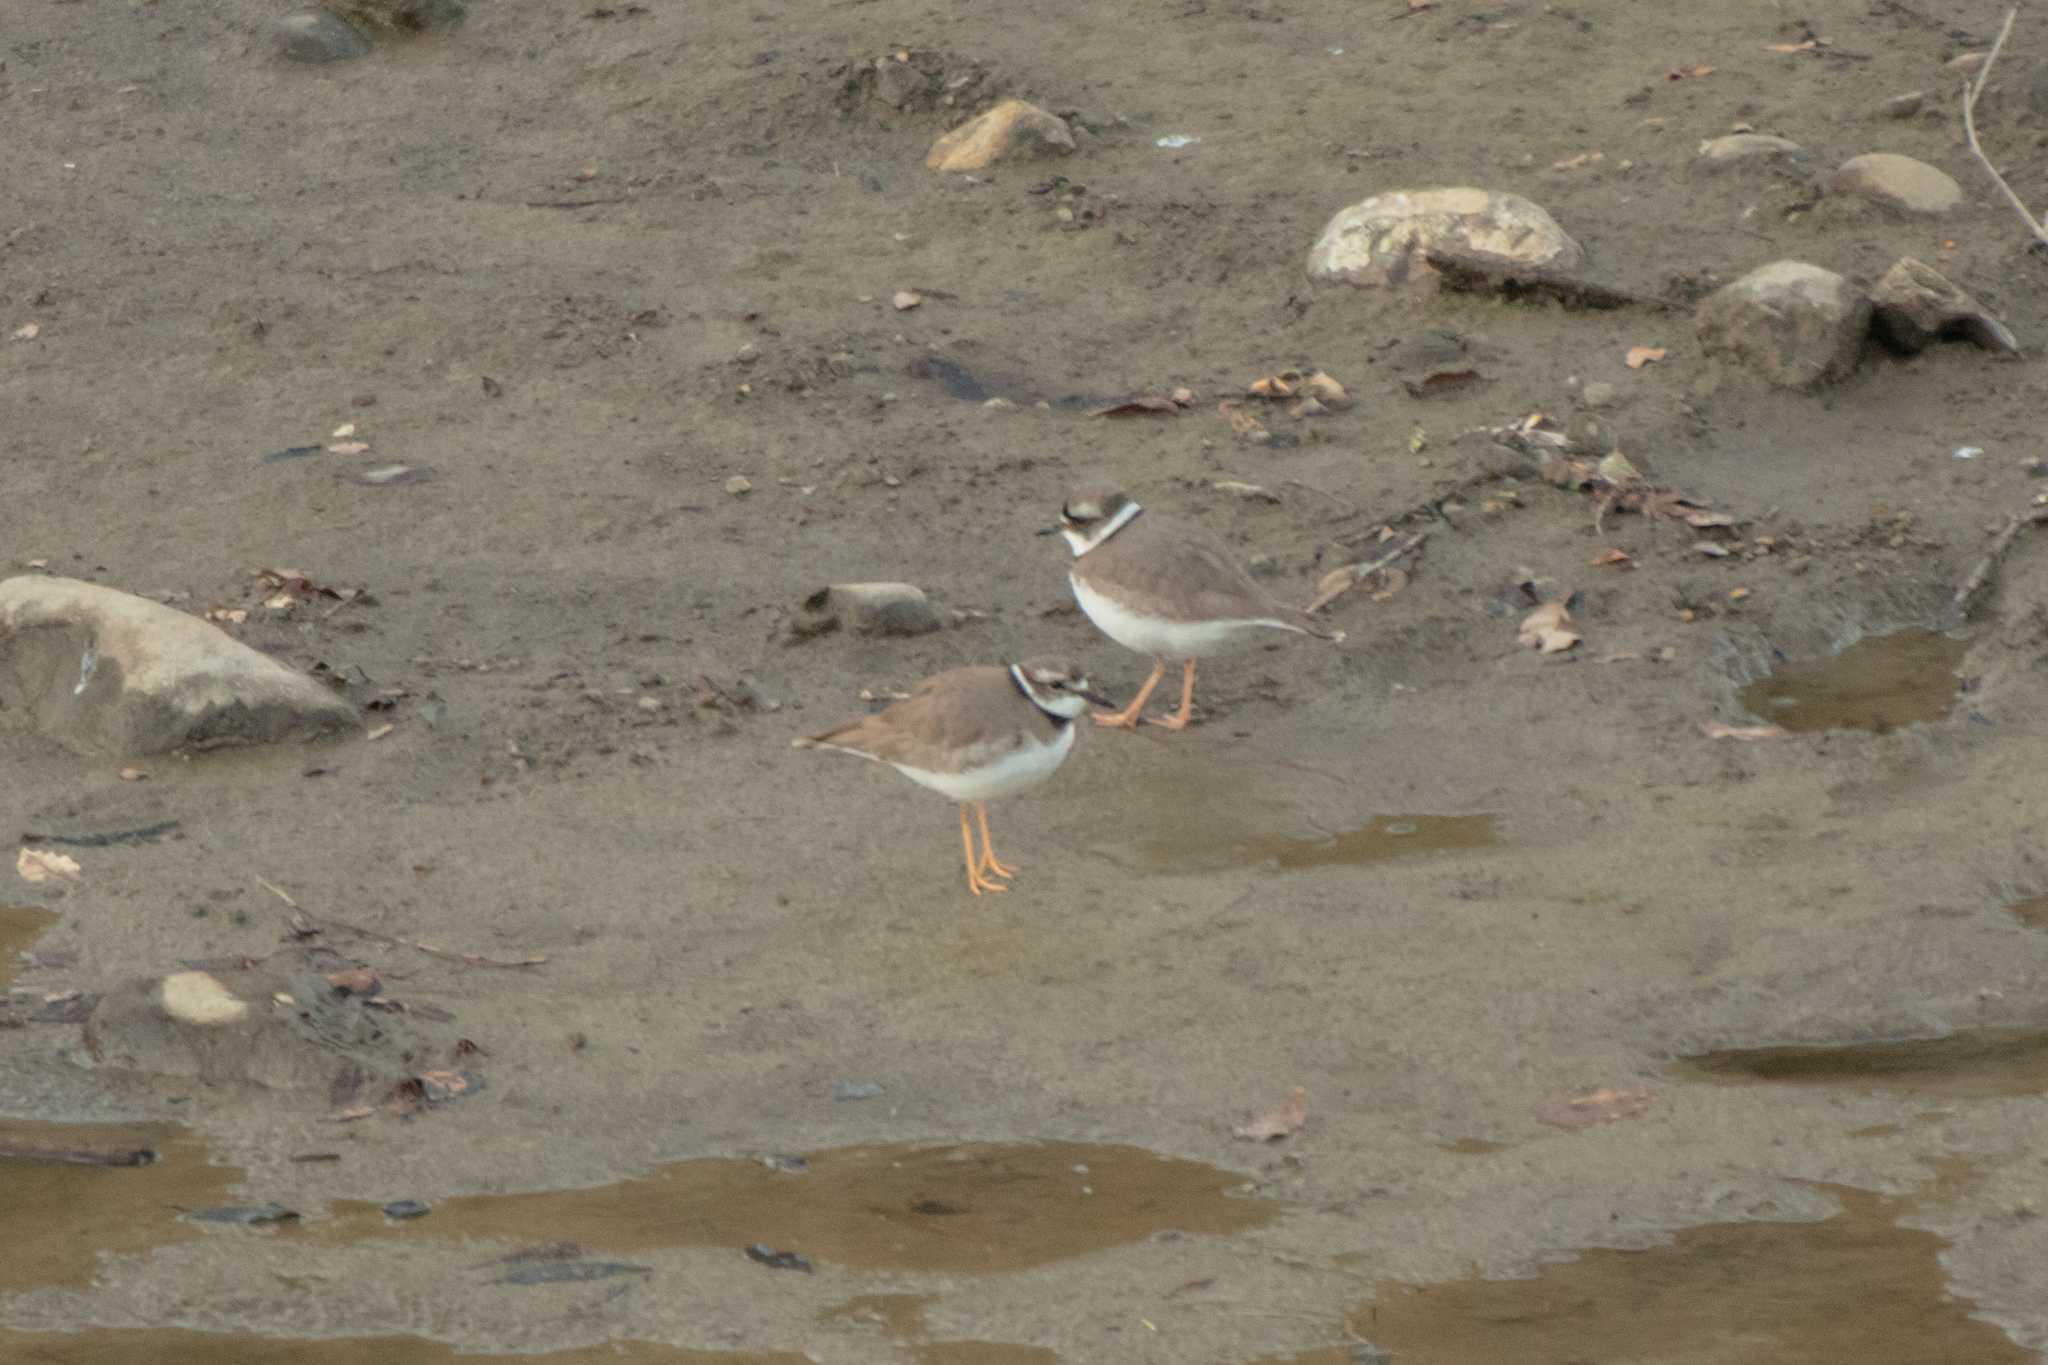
[976, 1208]
[1198, 847]
[1854, 1287]
[59, 1214]
[175, 1346]
[1971, 1064]
[2032, 912]
[1879, 683]
[20, 925]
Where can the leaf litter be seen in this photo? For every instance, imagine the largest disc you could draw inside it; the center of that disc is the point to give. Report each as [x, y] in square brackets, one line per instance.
[1283, 1120]
[1595, 1107]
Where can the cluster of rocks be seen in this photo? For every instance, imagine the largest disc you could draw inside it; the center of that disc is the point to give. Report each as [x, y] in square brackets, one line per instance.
[1797, 324]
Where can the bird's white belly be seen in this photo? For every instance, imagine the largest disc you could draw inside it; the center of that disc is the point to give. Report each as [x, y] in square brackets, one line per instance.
[1013, 772]
[1168, 639]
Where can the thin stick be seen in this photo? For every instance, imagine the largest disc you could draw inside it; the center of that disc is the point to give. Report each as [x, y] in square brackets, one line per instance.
[1971, 90]
[1967, 591]
[431, 950]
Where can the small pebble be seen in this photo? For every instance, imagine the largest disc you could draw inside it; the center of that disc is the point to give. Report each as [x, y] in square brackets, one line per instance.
[406, 1208]
[747, 354]
[738, 484]
[313, 34]
[906, 299]
[855, 1090]
[1906, 105]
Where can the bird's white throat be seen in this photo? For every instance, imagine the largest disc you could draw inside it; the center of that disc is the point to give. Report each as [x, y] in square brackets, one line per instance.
[1082, 539]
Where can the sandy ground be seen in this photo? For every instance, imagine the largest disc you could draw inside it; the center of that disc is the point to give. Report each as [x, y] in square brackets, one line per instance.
[229, 256]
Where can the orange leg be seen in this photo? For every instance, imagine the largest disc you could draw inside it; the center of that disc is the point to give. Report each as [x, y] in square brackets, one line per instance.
[1179, 719]
[975, 881]
[988, 862]
[1127, 719]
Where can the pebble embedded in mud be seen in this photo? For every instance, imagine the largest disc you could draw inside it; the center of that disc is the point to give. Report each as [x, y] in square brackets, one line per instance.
[1898, 182]
[314, 34]
[1738, 149]
[1013, 129]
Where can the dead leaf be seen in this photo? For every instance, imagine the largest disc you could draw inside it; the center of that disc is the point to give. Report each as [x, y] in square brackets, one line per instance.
[132, 775]
[1582, 159]
[1687, 73]
[354, 981]
[361, 1111]
[906, 299]
[37, 564]
[1810, 45]
[41, 865]
[1616, 469]
[380, 731]
[348, 447]
[1241, 422]
[1639, 356]
[1595, 1107]
[738, 484]
[283, 601]
[1618, 559]
[1391, 582]
[1714, 729]
[1701, 518]
[1548, 629]
[27, 331]
[1441, 384]
[1139, 407]
[1259, 492]
[233, 616]
[1327, 391]
[345, 429]
[1184, 396]
[1274, 385]
[1284, 1119]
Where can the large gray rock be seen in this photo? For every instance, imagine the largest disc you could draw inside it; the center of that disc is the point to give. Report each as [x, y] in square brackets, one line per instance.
[1898, 182]
[1916, 305]
[1384, 241]
[1796, 324]
[106, 672]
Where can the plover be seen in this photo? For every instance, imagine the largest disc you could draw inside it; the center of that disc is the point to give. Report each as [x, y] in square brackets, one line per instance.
[1165, 588]
[975, 734]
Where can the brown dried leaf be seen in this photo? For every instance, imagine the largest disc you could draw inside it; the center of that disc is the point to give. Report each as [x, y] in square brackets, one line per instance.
[1241, 422]
[1714, 729]
[1327, 391]
[1283, 1120]
[1695, 516]
[132, 775]
[1810, 45]
[1548, 629]
[1687, 73]
[1139, 407]
[354, 981]
[361, 1111]
[1441, 384]
[1617, 558]
[42, 865]
[1595, 1107]
[1274, 385]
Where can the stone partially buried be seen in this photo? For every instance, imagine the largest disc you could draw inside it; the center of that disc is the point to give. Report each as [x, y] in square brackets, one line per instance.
[1796, 324]
[1384, 242]
[1010, 130]
[102, 671]
[1898, 182]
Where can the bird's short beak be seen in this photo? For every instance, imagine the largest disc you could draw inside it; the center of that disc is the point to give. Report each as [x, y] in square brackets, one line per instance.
[1049, 530]
[1095, 698]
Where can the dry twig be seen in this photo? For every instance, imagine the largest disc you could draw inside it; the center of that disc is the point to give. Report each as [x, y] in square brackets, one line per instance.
[449, 954]
[1971, 90]
[1968, 590]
